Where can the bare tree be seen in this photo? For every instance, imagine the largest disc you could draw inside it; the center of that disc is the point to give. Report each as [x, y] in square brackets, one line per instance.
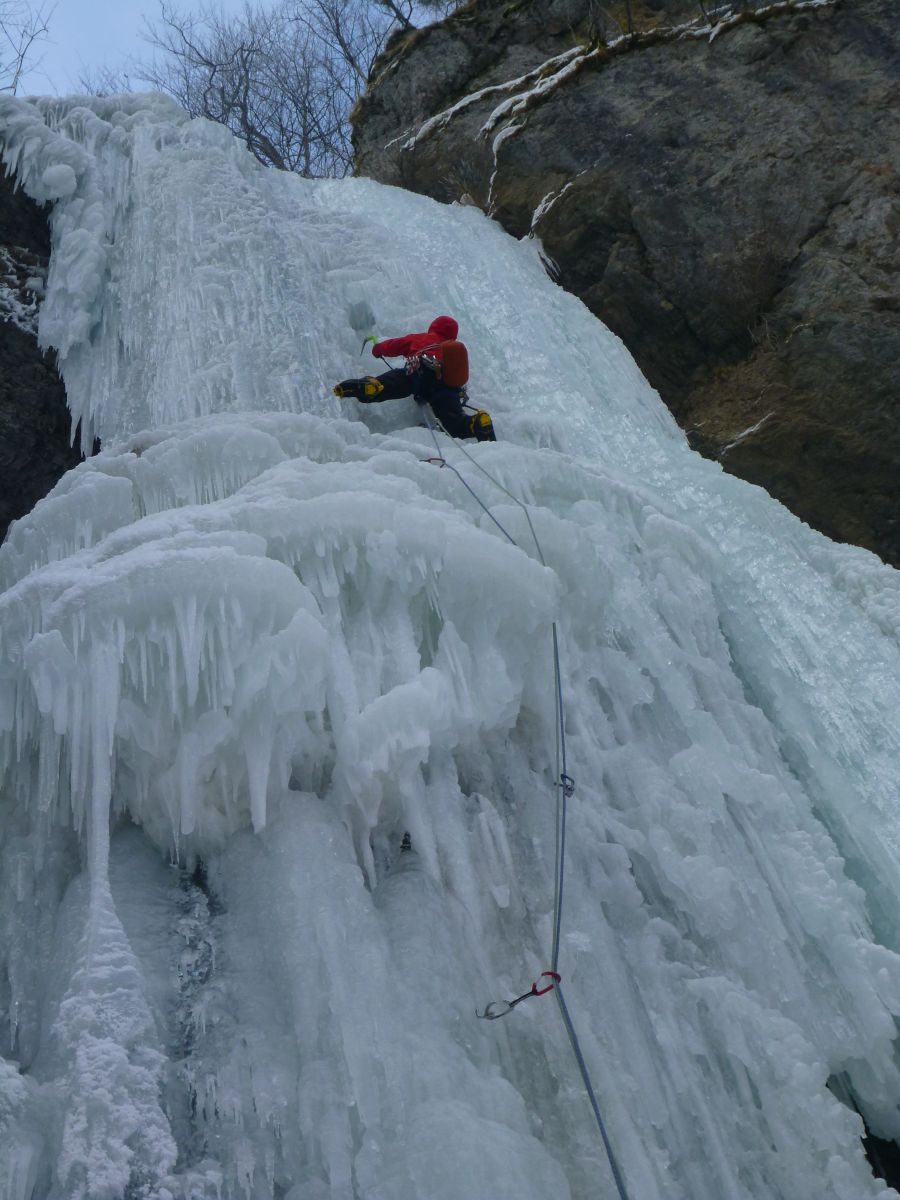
[104, 81]
[283, 78]
[22, 27]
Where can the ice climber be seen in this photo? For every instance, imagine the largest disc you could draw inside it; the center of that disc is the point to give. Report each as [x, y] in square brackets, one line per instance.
[436, 373]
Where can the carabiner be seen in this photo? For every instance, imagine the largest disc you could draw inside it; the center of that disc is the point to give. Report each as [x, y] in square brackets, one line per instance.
[554, 980]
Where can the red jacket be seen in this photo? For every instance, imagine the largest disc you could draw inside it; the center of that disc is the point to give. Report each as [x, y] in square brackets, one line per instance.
[441, 329]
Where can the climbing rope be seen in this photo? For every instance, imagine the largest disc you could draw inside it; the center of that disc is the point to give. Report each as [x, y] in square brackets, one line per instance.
[565, 788]
[442, 462]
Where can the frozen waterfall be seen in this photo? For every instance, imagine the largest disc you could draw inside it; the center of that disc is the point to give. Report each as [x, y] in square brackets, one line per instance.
[260, 638]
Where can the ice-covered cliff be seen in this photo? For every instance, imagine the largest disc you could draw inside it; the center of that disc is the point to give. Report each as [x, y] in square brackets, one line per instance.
[260, 638]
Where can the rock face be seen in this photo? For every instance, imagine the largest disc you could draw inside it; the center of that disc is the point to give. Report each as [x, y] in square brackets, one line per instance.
[727, 204]
[35, 448]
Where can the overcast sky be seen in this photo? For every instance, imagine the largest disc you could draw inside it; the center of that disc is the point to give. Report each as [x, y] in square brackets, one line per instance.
[88, 34]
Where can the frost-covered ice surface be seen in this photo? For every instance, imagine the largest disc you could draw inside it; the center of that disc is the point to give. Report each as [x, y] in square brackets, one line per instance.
[258, 639]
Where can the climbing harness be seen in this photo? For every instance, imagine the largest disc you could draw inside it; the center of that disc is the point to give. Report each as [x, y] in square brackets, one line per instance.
[565, 789]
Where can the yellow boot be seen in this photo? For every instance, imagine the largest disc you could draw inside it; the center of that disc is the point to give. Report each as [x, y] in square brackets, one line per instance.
[482, 427]
[365, 389]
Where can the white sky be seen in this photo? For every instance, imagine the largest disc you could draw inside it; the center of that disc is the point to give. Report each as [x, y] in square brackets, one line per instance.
[87, 34]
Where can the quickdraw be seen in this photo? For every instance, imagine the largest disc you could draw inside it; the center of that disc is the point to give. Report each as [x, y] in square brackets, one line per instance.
[499, 1008]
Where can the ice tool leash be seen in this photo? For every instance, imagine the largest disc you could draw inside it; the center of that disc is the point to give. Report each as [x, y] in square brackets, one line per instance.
[565, 786]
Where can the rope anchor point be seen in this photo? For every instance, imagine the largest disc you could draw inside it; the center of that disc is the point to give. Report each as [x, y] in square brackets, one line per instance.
[499, 1008]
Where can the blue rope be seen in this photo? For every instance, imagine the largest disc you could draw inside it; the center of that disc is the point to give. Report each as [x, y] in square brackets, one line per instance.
[585, 1075]
[470, 490]
[561, 802]
[564, 786]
